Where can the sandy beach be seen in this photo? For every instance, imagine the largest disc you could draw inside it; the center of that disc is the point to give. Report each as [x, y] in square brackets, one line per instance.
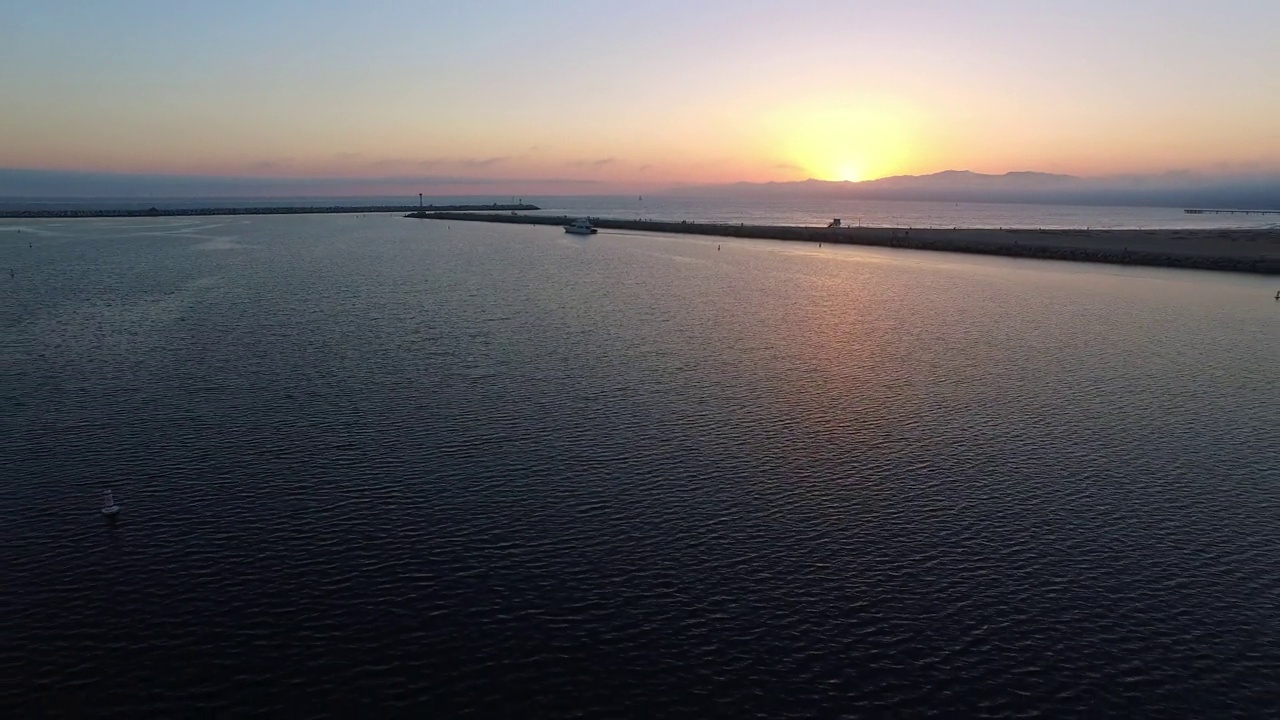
[1243, 250]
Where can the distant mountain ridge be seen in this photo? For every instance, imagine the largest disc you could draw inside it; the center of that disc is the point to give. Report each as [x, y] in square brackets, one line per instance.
[956, 177]
[26, 188]
[1172, 189]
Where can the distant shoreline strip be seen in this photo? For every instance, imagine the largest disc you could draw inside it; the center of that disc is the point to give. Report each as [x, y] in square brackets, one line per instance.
[1228, 250]
[282, 210]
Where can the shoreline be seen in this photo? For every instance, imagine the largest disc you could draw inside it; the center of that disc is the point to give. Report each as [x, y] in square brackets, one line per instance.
[278, 210]
[1229, 250]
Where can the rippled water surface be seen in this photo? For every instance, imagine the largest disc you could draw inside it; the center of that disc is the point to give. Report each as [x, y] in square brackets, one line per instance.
[484, 470]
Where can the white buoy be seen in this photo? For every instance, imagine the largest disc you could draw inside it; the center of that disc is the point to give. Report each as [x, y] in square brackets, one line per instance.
[109, 506]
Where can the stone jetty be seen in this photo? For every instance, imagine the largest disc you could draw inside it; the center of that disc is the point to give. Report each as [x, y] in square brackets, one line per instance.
[1231, 250]
[281, 210]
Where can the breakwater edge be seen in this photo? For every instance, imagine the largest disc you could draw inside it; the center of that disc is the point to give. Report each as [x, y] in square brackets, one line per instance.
[1229, 250]
[279, 210]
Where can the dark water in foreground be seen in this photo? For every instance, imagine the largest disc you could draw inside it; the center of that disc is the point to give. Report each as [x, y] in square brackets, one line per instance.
[496, 471]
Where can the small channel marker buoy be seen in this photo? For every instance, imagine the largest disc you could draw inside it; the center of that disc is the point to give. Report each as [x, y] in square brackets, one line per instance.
[109, 506]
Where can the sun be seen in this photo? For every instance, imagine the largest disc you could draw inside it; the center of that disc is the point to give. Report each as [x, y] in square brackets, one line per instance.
[849, 173]
[853, 143]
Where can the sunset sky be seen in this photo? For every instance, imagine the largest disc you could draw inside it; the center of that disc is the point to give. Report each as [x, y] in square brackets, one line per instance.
[638, 94]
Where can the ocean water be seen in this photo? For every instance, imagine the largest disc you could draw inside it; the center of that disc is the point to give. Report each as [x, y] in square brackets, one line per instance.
[778, 211]
[894, 213]
[471, 470]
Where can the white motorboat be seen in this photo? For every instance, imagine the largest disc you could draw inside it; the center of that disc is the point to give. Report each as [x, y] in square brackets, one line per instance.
[580, 227]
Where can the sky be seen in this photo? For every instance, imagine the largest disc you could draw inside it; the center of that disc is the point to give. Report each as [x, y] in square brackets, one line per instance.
[578, 96]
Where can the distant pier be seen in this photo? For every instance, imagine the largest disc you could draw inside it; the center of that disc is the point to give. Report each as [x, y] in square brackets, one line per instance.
[1213, 211]
[281, 210]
